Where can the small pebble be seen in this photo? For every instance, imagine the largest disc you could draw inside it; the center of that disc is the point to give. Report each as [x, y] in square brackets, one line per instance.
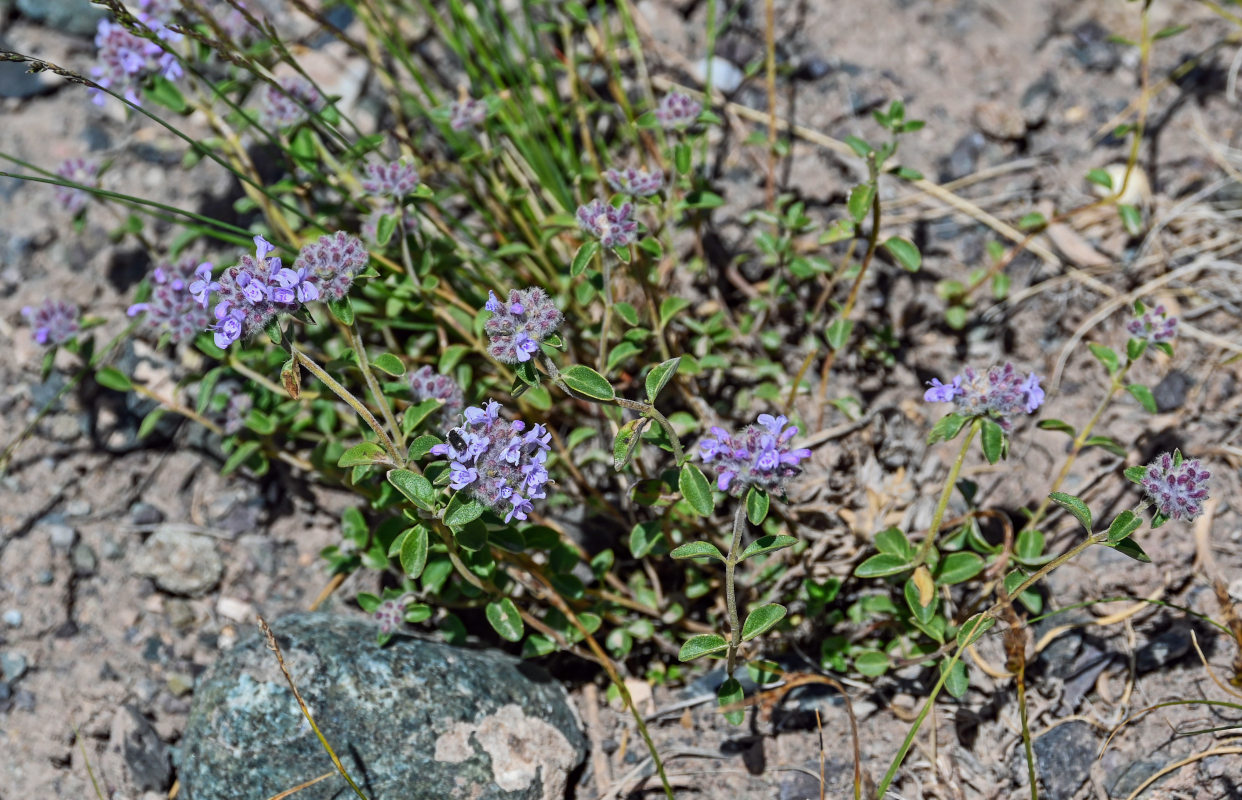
[13, 618]
[142, 513]
[62, 536]
[13, 665]
[725, 76]
[84, 560]
[77, 508]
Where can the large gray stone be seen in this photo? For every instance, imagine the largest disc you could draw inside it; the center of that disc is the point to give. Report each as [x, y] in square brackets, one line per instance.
[180, 562]
[78, 17]
[415, 720]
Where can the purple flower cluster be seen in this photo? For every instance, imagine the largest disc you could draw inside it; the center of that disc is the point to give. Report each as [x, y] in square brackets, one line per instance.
[426, 384]
[760, 456]
[501, 464]
[252, 292]
[126, 60]
[78, 170]
[332, 263]
[390, 614]
[54, 323]
[173, 307]
[467, 113]
[1000, 393]
[610, 224]
[677, 110]
[1178, 486]
[287, 105]
[1155, 325]
[395, 178]
[518, 326]
[635, 182]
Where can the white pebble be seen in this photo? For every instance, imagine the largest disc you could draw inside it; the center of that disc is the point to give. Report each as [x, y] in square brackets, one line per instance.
[725, 76]
[13, 618]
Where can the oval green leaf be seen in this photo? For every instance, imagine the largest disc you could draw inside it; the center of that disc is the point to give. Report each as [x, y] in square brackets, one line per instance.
[114, 379]
[698, 550]
[390, 364]
[588, 383]
[462, 510]
[973, 628]
[958, 567]
[757, 503]
[365, 453]
[414, 552]
[417, 489]
[583, 257]
[761, 620]
[767, 544]
[1075, 506]
[659, 376]
[871, 663]
[505, 619]
[702, 645]
[882, 565]
[697, 491]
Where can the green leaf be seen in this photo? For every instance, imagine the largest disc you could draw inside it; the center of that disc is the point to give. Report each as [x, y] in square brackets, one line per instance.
[626, 312]
[697, 491]
[415, 415]
[757, 503]
[1057, 425]
[904, 252]
[366, 453]
[958, 567]
[505, 619]
[659, 376]
[472, 535]
[767, 544]
[1076, 507]
[414, 552]
[702, 645]
[1126, 523]
[150, 421]
[1106, 356]
[1100, 177]
[239, 457]
[1136, 474]
[993, 441]
[582, 258]
[627, 441]
[882, 565]
[114, 379]
[165, 93]
[1030, 545]
[1131, 218]
[922, 613]
[956, 681]
[730, 696]
[343, 310]
[761, 620]
[871, 663]
[462, 510]
[1131, 548]
[417, 489]
[1107, 443]
[389, 364]
[973, 628]
[671, 307]
[644, 538]
[947, 428]
[1144, 396]
[260, 423]
[1135, 348]
[588, 383]
[859, 203]
[422, 446]
[893, 542]
[1032, 221]
[838, 333]
[384, 229]
[698, 550]
[681, 157]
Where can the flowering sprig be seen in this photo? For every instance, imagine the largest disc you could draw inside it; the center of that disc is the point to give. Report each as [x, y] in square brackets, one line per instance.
[1150, 327]
[634, 181]
[394, 179]
[677, 110]
[759, 456]
[288, 103]
[612, 225]
[1178, 486]
[467, 113]
[1000, 394]
[126, 60]
[518, 326]
[54, 323]
[500, 464]
[178, 302]
[427, 384]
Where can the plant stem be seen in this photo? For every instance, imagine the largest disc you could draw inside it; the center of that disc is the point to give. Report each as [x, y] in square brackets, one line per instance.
[938, 516]
[731, 560]
[353, 402]
[355, 341]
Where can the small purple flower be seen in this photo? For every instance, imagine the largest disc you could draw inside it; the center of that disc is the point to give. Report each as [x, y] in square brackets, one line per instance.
[228, 327]
[204, 285]
[1153, 325]
[177, 305]
[332, 262]
[760, 456]
[1178, 486]
[393, 179]
[1000, 393]
[126, 60]
[501, 465]
[426, 384]
[677, 110]
[53, 323]
[289, 103]
[467, 113]
[635, 182]
[610, 224]
[517, 327]
[81, 171]
[297, 282]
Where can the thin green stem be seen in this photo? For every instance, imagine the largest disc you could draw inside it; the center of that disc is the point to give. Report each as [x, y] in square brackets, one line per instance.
[731, 560]
[359, 348]
[357, 405]
[938, 516]
[1020, 679]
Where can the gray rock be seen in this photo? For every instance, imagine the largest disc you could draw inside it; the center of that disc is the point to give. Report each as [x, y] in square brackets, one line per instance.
[136, 758]
[142, 513]
[180, 562]
[62, 536]
[1170, 393]
[1038, 98]
[78, 17]
[1124, 781]
[415, 720]
[84, 560]
[1092, 49]
[13, 665]
[964, 157]
[13, 618]
[1063, 758]
[1163, 650]
[24, 700]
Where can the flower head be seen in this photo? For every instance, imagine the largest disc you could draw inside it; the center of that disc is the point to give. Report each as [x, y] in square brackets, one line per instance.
[427, 384]
[610, 224]
[677, 110]
[467, 113]
[54, 323]
[1000, 393]
[177, 305]
[759, 456]
[332, 263]
[1178, 486]
[500, 464]
[126, 60]
[635, 182]
[289, 103]
[1153, 325]
[518, 325]
[78, 170]
[393, 179]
